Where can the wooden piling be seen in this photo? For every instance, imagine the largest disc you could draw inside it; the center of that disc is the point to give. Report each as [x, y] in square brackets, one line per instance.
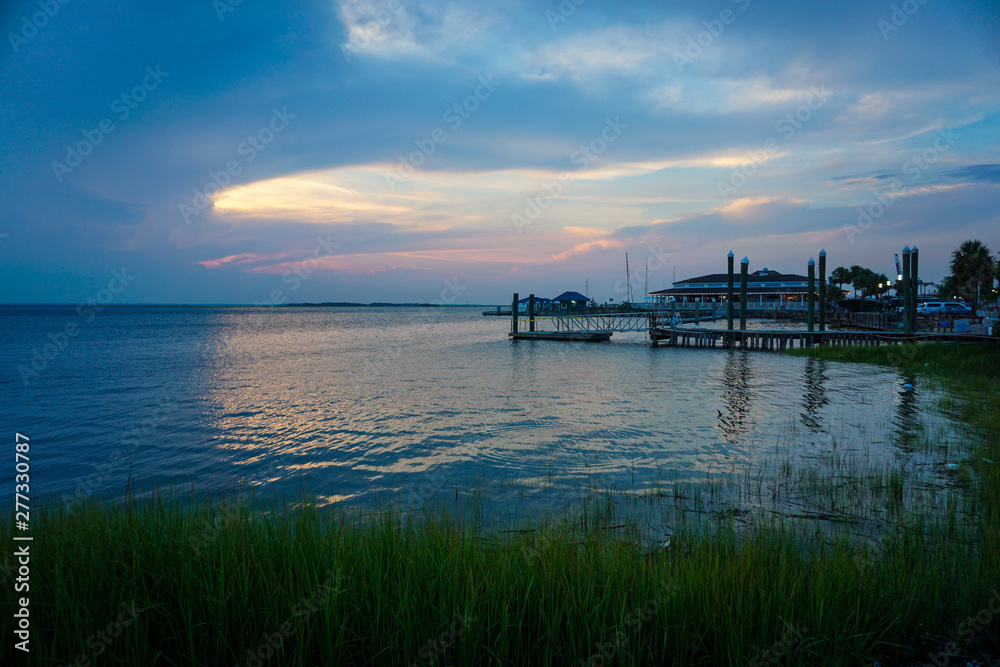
[513, 315]
[907, 308]
[822, 290]
[914, 286]
[744, 267]
[729, 299]
[811, 308]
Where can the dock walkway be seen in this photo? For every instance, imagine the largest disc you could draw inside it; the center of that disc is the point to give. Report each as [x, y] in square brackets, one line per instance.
[598, 325]
[783, 340]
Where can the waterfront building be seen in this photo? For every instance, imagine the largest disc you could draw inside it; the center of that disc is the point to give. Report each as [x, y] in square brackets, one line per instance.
[542, 305]
[765, 288]
[572, 300]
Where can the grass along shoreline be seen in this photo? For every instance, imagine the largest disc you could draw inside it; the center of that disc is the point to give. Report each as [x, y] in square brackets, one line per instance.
[170, 580]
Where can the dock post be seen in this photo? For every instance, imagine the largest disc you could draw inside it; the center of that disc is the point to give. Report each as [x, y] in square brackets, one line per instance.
[513, 314]
[697, 311]
[811, 312]
[729, 302]
[822, 290]
[907, 319]
[744, 267]
[914, 287]
[531, 312]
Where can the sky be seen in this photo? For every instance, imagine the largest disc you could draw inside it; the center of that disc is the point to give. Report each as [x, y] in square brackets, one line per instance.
[453, 152]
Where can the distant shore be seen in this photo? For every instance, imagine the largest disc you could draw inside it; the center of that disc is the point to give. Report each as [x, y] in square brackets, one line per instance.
[323, 304]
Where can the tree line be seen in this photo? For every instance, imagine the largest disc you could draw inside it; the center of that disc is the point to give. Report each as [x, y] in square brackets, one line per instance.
[973, 270]
[862, 279]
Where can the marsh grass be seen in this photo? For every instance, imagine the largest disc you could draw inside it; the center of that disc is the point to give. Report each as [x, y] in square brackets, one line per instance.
[879, 566]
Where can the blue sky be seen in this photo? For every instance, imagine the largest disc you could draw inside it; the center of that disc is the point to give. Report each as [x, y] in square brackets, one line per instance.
[370, 150]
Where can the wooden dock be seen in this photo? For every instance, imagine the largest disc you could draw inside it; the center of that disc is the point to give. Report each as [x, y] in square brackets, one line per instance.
[580, 336]
[664, 326]
[784, 340]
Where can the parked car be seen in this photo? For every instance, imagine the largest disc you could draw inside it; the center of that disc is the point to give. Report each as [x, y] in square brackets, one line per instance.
[944, 308]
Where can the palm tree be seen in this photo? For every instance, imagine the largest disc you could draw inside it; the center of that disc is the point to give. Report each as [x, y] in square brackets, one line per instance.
[972, 265]
[865, 280]
[839, 276]
[857, 277]
[949, 289]
[881, 284]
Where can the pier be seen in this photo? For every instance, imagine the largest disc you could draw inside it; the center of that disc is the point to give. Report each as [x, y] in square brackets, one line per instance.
[786, 340]
[663, 324]
[597, 325]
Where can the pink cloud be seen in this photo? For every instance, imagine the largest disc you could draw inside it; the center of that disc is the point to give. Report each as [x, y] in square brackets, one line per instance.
[242, 258]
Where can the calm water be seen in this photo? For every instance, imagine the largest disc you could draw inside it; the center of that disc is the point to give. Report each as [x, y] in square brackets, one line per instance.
[352, 405]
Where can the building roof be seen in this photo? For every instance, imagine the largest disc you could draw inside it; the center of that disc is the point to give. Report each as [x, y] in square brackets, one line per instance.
[571, 296]
[538, 299]
[696, 291]
[765, 275]
[764, 280]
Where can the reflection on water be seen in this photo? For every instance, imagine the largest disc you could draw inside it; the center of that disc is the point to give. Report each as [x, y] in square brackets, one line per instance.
[736, 396]
[814, 395]
[907, 419]
[357, 404]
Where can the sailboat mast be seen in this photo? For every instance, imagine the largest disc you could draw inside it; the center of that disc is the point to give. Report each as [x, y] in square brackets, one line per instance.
[628, 280]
